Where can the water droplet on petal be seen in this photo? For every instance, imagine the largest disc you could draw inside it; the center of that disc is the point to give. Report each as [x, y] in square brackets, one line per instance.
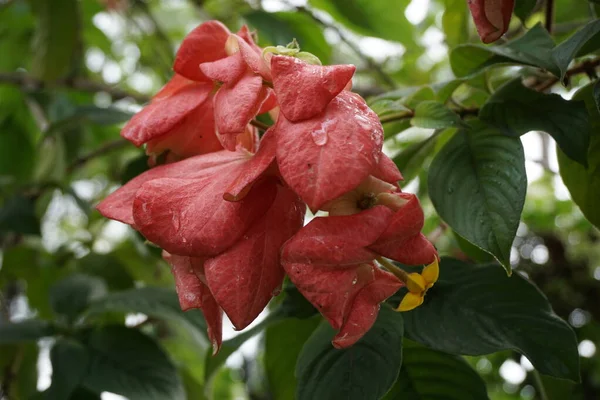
[354, 281]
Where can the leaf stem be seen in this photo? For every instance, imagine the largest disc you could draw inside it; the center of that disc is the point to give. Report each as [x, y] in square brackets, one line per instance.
[259, 125]
[540, 385]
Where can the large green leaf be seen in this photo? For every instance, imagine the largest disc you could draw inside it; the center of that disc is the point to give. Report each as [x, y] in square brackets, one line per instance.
[477, 183]
[434, 115]
[70, 361]
[129, 363]
[584, 184]
[20, 360]
[17, 215]
[585, 40]
[363, 371]
[534, 49]
[155, 302]
[523, 8]
[379, 18]
[33, 329]
[283, 343]
[57, 38]
[281, 28]
[73, 294]
[477, 309]
[428, 374]
[455, 22]
[517, 110]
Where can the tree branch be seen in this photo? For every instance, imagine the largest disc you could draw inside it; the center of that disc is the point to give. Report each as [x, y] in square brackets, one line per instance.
[368, 60]
[106, 148]
[28, 82]
[549, 15]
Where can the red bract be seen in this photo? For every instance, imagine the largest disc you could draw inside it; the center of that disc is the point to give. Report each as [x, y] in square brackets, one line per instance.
[323, 157]
[179, 120]
[331, 259]
[492, 17]
[242, 93]
[244, 278]
[193, 293]
[304, 90]
[329, 262]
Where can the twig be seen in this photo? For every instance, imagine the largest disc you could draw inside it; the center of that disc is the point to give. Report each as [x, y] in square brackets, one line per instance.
[29, 82]
[368, 60]
[549, 15]
[259, 125]
[106, 148]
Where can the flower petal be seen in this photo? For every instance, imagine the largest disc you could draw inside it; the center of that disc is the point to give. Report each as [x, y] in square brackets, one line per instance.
[227, 70]
[387, 170]
[325, 157]
[339, 240]
[417, 250]
[253, 169]
[492, 17]
[194, 135]
[166, 111]
[190, 217]
[204, 44]
[305, 90]
[193, 293]
[365, 308]
[236, 104]
[119, 204]
[244, 278]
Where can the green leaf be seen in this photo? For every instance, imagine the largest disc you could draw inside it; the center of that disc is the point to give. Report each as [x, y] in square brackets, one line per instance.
[214, 362]
[434, 115]
[477, 309]
[455, 22]
[283, 343]
[73, 294]
[524, 8]
[585, 40]
[477, 184]
[21, 361]
[18, 165]
[281, 28]
[155, 302]
[410, 160]
[584, 184]
[17, 215]
[107, 267]
[428, 374]
[51, 163]
[379, 18]
[363, 371]
[33, 329]
[70, 361]
[516, 110]
[56, 38]
[534, 49]
[129, 363]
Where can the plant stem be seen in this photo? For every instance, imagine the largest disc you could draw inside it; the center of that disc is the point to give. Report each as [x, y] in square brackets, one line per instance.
[540, 385]
[259, 125]
[399, 273]
[549, 15]
[106, 148]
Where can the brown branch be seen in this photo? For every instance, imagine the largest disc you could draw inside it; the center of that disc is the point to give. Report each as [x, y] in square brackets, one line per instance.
[106, 148]
[28, 82]
[368, 60]
[549, 15]
[259, 125]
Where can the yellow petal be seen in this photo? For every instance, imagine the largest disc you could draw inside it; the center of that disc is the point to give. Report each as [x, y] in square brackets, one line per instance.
[431, 273]
[410, 301]
[415, 283]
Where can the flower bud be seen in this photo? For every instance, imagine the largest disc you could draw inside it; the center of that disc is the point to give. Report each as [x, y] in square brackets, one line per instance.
[492, 17]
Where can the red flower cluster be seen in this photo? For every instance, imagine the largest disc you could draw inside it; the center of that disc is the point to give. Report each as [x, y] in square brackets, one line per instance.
[228, 209]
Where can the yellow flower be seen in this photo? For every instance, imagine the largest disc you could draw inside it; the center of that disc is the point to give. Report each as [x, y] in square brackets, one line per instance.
[417, 285]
